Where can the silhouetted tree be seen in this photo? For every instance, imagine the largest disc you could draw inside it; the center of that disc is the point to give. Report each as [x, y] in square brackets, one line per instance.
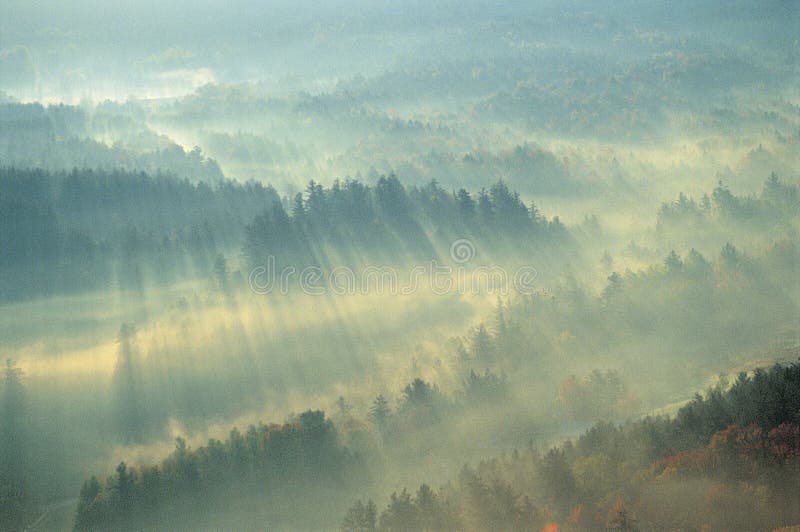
[360, 518]
[379, 412]
[15, 499]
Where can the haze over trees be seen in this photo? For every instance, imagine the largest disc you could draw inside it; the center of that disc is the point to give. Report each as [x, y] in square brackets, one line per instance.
[15, 495]
[729, 457]
[419, 266]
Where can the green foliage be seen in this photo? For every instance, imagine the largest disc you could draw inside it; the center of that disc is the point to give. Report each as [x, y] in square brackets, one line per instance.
[725, 212]
[16, 500]
[150, 224]
[379, 412]
[485, 389]
[422, 403]
[360, 518]
[746, 437]
[59, 138]
[266, 461]
[398, 220]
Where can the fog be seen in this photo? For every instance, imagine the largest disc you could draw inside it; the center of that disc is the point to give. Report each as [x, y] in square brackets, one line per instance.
[380, 266]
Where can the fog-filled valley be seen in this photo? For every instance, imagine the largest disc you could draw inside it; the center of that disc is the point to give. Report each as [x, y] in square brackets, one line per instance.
[380, 266]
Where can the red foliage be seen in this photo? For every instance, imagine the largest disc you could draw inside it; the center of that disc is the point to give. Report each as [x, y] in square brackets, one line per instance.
[736, 452]
[693, 462]
[736, 439]
[783, 443]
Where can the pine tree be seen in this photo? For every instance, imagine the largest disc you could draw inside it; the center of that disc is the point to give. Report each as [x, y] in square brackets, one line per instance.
[360, 517]
[481, 345]
[379, 411]
[15, 501]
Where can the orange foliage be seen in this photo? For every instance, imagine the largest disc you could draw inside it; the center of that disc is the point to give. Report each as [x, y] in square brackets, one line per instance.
[783, 443]
[694, 462]
[744, 440]
[581, 518]
[737, 451]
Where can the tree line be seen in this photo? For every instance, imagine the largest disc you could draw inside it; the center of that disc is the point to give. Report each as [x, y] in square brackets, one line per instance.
[354, 223]
[86, 229]
[728, 459]
[259, 466]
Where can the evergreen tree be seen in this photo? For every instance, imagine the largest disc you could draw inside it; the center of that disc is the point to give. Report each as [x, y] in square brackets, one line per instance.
[466, 205]
[379, 412]
[360, 518]
[15, 500]
[481, 345]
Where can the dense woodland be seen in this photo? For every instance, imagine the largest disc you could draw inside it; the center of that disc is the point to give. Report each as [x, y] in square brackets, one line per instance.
[264, 467]
[63, 137]
[728, 460]
[165, 224]
[740, 442]
[163, 167]
[390, 223]
[92, 229]
[505, 362]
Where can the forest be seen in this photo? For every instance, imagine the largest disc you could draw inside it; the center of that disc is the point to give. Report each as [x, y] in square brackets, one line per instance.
[379, 266]
[735, 448]
[738, 444]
